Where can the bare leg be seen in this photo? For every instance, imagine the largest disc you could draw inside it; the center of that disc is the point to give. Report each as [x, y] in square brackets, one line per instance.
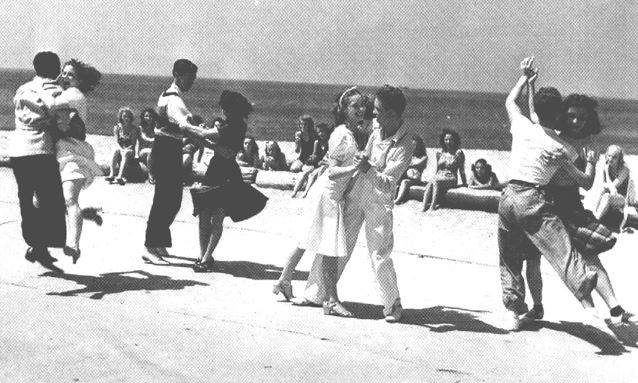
[603, 286]
[302, 178]
[115, 160]
[126, 161]
[205, 230]
[71, 190]
[603, 206]
[217, 228]
[291, 264]
[330, 277]
[435, 195]
[311, 180]
[426, 195]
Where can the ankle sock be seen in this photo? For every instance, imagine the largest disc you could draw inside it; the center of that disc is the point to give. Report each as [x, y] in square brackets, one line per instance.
[616, 311]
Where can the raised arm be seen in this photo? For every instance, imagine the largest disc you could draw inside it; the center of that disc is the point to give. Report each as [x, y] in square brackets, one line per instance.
[513, 110]
[530, 96]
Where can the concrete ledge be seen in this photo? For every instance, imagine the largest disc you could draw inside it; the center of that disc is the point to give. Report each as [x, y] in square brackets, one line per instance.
[464, 198]
[276, 179]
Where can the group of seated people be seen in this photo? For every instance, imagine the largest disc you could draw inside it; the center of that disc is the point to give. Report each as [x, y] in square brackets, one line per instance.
[608, 199]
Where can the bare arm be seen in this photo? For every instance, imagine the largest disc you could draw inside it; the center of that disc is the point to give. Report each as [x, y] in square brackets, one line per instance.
[530, 97]
[513, 110]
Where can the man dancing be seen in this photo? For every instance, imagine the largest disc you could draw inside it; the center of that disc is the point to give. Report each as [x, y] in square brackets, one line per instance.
[527, 225]
[35, 167]
[371, 200]
[167, 162]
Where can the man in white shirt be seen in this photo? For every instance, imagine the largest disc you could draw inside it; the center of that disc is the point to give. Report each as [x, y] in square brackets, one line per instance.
[167, 161]
[527, 225]
[32, 153]
[371, 200]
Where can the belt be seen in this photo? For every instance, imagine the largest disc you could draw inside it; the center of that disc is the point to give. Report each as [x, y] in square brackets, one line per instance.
[524, 183]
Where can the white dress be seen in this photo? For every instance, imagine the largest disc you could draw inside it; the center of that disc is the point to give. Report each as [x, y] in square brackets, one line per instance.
[322, 230]
[76, 157]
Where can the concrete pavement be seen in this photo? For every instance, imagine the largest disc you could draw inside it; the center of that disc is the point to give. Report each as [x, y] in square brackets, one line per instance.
[111, 317]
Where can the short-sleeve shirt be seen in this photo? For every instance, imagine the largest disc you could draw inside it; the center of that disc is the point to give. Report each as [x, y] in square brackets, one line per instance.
[341, 147]
[34, 124]
[529, 140]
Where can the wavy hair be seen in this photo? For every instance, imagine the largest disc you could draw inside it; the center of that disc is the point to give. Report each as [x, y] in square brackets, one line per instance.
[87, 75]
[455, 136]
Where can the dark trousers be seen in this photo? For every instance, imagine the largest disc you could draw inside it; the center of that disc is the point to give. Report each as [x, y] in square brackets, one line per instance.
[167, 170]
[44, 224]
[528, 226]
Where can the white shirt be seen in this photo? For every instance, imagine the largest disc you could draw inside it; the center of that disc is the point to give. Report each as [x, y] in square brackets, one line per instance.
[529, 140]
[342, 147]
[176, 110]
[33, 121]
[389, 158]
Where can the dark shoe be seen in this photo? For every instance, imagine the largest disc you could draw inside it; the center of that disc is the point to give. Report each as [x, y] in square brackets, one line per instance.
[120, 181]
[43, 257]
[73, 253]
[204, 267]
[109, 179]
[336, 309]
[284, 288]
[93, 214]
[536, 313]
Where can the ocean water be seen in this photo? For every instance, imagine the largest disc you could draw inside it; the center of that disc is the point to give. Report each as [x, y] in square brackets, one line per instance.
[480, 118]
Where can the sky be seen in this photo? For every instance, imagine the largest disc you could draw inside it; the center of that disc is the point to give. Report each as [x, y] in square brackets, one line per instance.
[588, 46]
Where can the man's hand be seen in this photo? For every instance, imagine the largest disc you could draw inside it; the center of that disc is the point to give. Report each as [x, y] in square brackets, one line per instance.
[592, 157]
[527, 68]
[361, 162]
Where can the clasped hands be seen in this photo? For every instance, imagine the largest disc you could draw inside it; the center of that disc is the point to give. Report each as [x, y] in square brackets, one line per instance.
[362, 162]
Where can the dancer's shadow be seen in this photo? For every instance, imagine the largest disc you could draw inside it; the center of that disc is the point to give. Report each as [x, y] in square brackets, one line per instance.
[113, 283]
[253, 270]
[607, 344]
[437, 318]
[627, 334]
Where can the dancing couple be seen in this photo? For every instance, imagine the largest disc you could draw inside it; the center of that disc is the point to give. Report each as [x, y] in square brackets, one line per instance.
[540, 210]
[50, 158]
[356, 188]
[223, 193]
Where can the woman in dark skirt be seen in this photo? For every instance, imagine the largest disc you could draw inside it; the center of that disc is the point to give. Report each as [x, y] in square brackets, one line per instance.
[223, 192]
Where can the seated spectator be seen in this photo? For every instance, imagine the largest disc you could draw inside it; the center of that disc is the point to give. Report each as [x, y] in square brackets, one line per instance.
[126, 136]
[483, 177]
[322, 131]
[189, 148]
[450, 164]
[249, 155]
[148, 123]
[273, 159]
[304, 143]
[413, 174]
[615, 181]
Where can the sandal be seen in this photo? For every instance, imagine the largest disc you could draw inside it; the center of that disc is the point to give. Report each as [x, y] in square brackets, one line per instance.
[284, 288]
[336, 309]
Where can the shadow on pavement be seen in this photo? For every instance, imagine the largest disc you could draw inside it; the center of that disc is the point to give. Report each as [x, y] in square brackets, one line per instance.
[437, 318]
[252, 270]
[627, 334]
[607, 344]
[113, 283]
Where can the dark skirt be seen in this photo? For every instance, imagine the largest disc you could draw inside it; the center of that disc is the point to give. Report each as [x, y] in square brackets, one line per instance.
[223, 187]
[588, 234]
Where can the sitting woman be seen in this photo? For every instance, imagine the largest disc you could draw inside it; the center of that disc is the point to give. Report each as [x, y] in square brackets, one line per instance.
[273, 159]
[615, 182]
[483, 177]
[248, 156]
[126, 135]
[148, 123]
[304, 143]
[412, 175]
[322, 132]
[450, 164]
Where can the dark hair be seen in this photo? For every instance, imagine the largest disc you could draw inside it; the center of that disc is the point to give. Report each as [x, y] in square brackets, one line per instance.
[183, 66]
[124, 110]
[368, 113]
[455, 136]
[392, 98]
[341, 102]
[88, 76]
[488, 167]
[419, 147]
[46, 64]
[143, 124]
[254, 148]
[592, 124]
[548, 104]
[234, 104]
[323, 126]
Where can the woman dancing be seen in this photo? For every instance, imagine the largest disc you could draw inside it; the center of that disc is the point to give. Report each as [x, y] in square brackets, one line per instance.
[76, 156]
[450, 164]
[324, 232]
[224, 192]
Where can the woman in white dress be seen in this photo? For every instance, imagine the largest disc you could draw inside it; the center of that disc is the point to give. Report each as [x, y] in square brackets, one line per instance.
[75, 156]
[323, 231]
